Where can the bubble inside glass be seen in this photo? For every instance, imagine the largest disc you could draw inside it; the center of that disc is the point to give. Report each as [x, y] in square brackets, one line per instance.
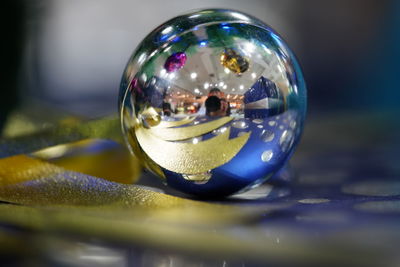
[213, 102]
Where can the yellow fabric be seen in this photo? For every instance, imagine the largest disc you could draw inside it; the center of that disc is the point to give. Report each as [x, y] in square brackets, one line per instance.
[58, 180]
[113, 164]
[22, 168]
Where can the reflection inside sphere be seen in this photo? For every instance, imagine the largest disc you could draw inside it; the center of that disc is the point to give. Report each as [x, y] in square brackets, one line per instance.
[214, 103]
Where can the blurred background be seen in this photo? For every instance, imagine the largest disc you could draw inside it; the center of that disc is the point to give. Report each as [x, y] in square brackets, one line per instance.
[70, 54]
[67, 57]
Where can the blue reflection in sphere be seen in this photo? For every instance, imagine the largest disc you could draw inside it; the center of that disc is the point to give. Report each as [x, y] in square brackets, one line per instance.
[213, 102]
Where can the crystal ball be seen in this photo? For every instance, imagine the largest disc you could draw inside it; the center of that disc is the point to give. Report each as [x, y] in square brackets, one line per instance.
[213, 102]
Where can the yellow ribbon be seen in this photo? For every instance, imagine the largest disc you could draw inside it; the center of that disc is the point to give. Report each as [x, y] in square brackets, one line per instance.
[63, 176]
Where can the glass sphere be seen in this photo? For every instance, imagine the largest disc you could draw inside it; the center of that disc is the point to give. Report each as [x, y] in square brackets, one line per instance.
[213, 102]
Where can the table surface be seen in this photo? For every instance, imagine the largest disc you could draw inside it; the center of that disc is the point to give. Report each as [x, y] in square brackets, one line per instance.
[337, 202]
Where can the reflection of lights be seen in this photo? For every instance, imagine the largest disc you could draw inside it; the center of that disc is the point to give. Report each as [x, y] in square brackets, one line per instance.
[206, 85]
[221, 84]
[144, 77]
[194, 16]
[193, 75]
[295, 88]
[163, 72]
[253, 75]
[233, 89]
[167, 30]
[195, 140]
[53, 152]
[203, 43]
[225, 26]
[239, 16]
[250, 47]
[266, 49]
[196, 90]
[279, 68]
[171, 76]
[141, 58]
[224, 87]
[241, 87]
[176, 39]
[153, 53]
[227, 70]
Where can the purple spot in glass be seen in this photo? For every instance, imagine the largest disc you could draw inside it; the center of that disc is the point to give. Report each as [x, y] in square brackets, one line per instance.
[175, 62]
[135, 87]
[133, 84]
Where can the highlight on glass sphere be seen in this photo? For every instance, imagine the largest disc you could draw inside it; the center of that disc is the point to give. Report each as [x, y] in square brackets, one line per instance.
[213, 102]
